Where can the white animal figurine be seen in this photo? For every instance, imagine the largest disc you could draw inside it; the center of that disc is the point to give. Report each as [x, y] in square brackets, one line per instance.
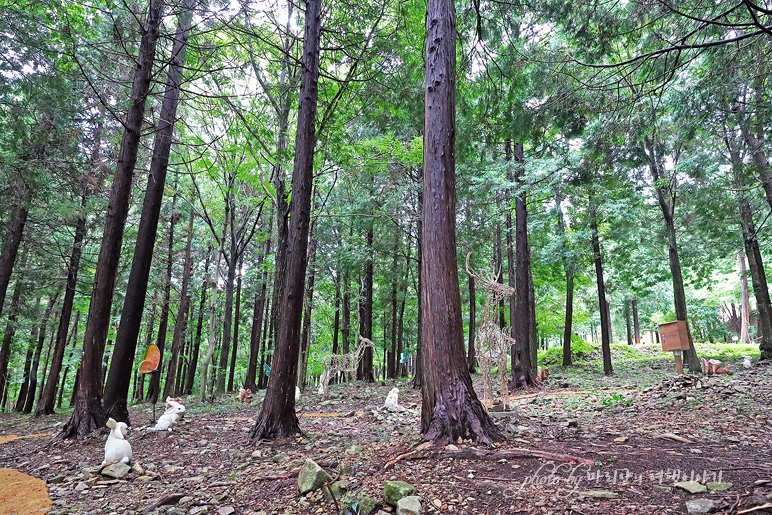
[117, 448]
[174, 412]
[747, 362]
[297, 394]
[391, 401]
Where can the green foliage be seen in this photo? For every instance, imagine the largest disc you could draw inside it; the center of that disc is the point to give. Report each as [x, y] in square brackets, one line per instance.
[581, 351]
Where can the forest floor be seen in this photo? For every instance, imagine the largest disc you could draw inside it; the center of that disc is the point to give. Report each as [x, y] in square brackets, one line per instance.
[635, 434]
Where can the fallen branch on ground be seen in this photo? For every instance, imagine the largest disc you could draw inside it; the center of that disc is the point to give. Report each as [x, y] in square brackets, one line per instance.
[163, 501]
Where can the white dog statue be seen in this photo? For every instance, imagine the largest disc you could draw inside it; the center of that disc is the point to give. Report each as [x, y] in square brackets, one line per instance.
[174, 412]
[391, 401]
[117, 448]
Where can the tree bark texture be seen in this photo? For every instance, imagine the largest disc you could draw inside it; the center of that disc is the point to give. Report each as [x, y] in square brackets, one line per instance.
[182, 314]
[250, 381]
[745, 301]
[154, 387]
[667, 206]
[33, 377]
[193, 365]
[605, 337]
[88, 414]
[450, 407]
[13, 238]
[277, 417]
[523, 366]
[568, 269]
[755, 261]
[236, 324]
[48, 394]
[365, 370]
[17, 299]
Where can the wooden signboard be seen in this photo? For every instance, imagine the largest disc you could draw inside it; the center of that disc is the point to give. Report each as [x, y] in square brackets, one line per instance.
[673, 336]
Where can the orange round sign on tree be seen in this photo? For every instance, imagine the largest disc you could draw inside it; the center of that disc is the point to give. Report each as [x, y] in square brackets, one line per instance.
[152, 358]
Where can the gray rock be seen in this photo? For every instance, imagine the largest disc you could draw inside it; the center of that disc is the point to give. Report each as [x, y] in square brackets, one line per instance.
[280, 458]
[367, 505]
[393, 491]
[661, 488]
[116, 470]
[81, 486]
[226, 510]
[311, 477]
[177, 511]
[354, 448]
[55, 480]
[714, 486]
[410, 505]
[693, 487]
[701, 505]
[336, 488]
[600, 494]
[196, 510]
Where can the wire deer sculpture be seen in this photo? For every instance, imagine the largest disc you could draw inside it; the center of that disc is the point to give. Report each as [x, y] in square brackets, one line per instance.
[333, 364]
[493, 341]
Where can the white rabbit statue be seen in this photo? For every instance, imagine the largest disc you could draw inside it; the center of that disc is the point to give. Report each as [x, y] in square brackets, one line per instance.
[174, 411]
[117, 448]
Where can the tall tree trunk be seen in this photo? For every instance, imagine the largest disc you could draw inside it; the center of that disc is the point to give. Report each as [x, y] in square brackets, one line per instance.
[182, 314]
[510, 247]
[336, 319]
[255, 342]
[392, 357]
[48, 394]
[365, 370]
[119, 376]
[522, 362]
[230, 286]
[154, 387]
[471, 360]
[236, 316]
[17, 299]
[13, 238]
[277, 417]
[636, 324]
[418, 377]
[450, 408]
[193, 365]
[211, 333]
[33, 378]
[88, 414]
[498, 263]
[755, 262]
[346, 314]
[628, 325]
[305, 332]
[667, 206]
[602, 308]
[265, 344]
[22, 397]
[745, 304]
[568, 269]
[71, 342]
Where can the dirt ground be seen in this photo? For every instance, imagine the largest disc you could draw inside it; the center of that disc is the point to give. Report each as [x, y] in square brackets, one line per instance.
[632, 436]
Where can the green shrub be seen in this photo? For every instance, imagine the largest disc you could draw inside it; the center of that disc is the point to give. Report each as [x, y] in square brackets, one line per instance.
[581, 351]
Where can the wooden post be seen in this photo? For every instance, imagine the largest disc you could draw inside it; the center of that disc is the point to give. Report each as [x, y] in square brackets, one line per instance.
[679, 364]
